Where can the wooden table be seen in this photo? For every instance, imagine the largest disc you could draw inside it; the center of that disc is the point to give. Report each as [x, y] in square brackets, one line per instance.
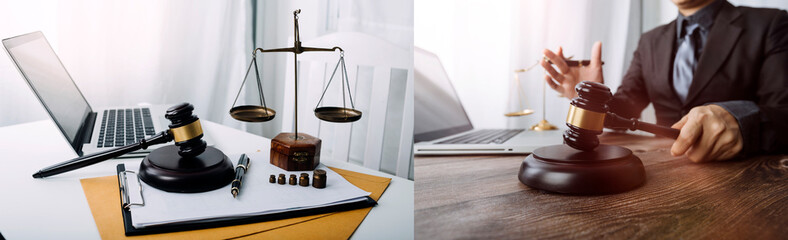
[481, 197]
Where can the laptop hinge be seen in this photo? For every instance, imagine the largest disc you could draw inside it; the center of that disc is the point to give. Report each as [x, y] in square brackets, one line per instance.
[86, 130]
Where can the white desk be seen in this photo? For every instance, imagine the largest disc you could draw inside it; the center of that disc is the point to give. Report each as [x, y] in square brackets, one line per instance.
[56, 208]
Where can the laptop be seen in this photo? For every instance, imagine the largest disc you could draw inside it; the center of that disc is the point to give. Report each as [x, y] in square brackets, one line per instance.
[442, 127]
[88, 130]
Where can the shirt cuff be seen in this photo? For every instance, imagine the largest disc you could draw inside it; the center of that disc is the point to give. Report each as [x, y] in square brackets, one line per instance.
[747, 115]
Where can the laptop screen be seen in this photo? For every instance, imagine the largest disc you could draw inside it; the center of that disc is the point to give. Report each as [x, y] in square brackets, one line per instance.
[438, 111]
[49, 80]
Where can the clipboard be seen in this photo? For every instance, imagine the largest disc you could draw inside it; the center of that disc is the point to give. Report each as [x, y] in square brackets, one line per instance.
[130, 230]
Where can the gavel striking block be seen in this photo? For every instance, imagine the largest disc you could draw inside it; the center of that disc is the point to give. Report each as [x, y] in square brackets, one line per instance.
[581, 165]
[190, 165]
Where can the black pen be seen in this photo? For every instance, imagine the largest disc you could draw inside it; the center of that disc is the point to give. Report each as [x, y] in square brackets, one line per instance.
[573, 63]
[98, 157]
[243, 164]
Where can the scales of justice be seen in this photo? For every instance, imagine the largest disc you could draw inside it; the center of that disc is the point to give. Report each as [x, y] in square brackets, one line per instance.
[543, 124]
[297, 151]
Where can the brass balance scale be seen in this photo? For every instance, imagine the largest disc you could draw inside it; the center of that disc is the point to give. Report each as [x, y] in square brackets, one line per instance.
[297, 151]
[543, 124]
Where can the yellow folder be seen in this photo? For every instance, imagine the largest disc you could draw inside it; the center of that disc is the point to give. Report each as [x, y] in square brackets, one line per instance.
[104, 200]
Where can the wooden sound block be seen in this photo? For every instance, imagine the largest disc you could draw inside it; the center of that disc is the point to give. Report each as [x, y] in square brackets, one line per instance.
[164, 169]
[563, 169]
[291, 154]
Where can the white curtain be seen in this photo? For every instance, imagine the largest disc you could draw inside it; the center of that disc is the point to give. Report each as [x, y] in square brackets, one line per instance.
[122, 53]
[472, 40]
[17, 102]
[481, 42]
[162, 52]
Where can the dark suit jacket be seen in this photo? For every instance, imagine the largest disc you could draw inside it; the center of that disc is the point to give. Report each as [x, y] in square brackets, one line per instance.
[745, 58]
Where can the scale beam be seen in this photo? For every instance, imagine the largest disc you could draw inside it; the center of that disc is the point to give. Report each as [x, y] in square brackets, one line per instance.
[297, 50]
[251, 113]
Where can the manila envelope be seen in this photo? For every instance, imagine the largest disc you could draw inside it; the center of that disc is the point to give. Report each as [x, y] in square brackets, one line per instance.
[104, 200]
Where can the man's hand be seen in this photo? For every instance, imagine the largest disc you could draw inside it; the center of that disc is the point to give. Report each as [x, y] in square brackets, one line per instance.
[564, 79]
[707, 133]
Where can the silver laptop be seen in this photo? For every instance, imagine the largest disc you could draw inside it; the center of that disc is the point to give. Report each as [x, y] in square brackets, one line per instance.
[442, 127]
[88, 130]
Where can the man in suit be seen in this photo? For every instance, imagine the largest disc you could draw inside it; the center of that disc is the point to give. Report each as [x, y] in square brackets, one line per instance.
[718, 72]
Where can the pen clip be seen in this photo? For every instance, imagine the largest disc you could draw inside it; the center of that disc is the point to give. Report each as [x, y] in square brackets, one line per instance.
[125, 202]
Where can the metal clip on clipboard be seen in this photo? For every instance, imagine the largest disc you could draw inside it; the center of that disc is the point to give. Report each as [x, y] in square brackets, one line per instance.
[125, 202]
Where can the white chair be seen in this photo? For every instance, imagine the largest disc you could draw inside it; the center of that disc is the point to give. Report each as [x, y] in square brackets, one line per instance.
[381, 80]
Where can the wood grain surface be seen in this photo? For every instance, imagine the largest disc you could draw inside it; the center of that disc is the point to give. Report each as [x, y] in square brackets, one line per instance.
[480, 197]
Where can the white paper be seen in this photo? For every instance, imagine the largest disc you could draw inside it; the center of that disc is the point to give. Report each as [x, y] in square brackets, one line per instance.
[257, 196]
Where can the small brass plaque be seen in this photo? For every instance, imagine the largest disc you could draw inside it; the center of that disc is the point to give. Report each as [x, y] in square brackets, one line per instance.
[300, 156]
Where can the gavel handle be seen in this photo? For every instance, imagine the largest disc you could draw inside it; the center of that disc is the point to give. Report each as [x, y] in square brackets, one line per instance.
[617, 122]
[98, 157]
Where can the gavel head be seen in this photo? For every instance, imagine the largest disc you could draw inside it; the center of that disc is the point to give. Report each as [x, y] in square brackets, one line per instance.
[186, 130]
[586, 115]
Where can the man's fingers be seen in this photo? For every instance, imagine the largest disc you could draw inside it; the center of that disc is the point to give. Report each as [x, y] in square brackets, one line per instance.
[596, 54]
[728, 142]
[722, 147]
[701, 150]
[551, 71]
[552, 84]
[730, 151]
[557, 61]
[698, 154]
[690, 132]
[707, 133]
[680, 123]
[561, 52]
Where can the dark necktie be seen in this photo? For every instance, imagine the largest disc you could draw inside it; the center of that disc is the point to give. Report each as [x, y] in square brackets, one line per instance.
[686, 60]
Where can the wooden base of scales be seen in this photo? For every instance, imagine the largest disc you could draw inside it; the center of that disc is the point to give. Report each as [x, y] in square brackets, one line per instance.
[291, 153]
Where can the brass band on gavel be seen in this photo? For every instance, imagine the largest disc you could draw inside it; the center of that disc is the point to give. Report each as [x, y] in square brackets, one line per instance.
[187, 131]
[585, 119]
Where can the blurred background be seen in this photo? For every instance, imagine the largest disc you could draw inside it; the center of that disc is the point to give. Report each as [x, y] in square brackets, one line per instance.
[481, 43]
[122, 53]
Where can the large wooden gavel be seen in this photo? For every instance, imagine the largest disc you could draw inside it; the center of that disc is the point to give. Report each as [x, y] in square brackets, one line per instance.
[185, 130]
[589, 113]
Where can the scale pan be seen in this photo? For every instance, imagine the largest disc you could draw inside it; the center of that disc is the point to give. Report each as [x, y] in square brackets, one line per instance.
[519, 113]
[252, 113]
[337, 114]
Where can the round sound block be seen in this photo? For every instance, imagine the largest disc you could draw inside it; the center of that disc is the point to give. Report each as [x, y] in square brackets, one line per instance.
[563, 169]
[164, 169]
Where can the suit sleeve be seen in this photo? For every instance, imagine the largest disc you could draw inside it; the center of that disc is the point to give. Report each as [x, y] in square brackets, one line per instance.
[631, 97]
[773, 91]
[764, 123]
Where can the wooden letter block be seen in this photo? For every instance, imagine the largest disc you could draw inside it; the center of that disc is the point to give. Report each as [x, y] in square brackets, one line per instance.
[292, 154]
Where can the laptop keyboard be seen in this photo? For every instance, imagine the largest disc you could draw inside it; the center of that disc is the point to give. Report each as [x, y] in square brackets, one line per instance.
[484, 136]
[120, 127]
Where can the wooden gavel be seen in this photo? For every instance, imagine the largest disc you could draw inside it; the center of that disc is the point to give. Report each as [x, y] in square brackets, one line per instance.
[185, 130]
[589, 113]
